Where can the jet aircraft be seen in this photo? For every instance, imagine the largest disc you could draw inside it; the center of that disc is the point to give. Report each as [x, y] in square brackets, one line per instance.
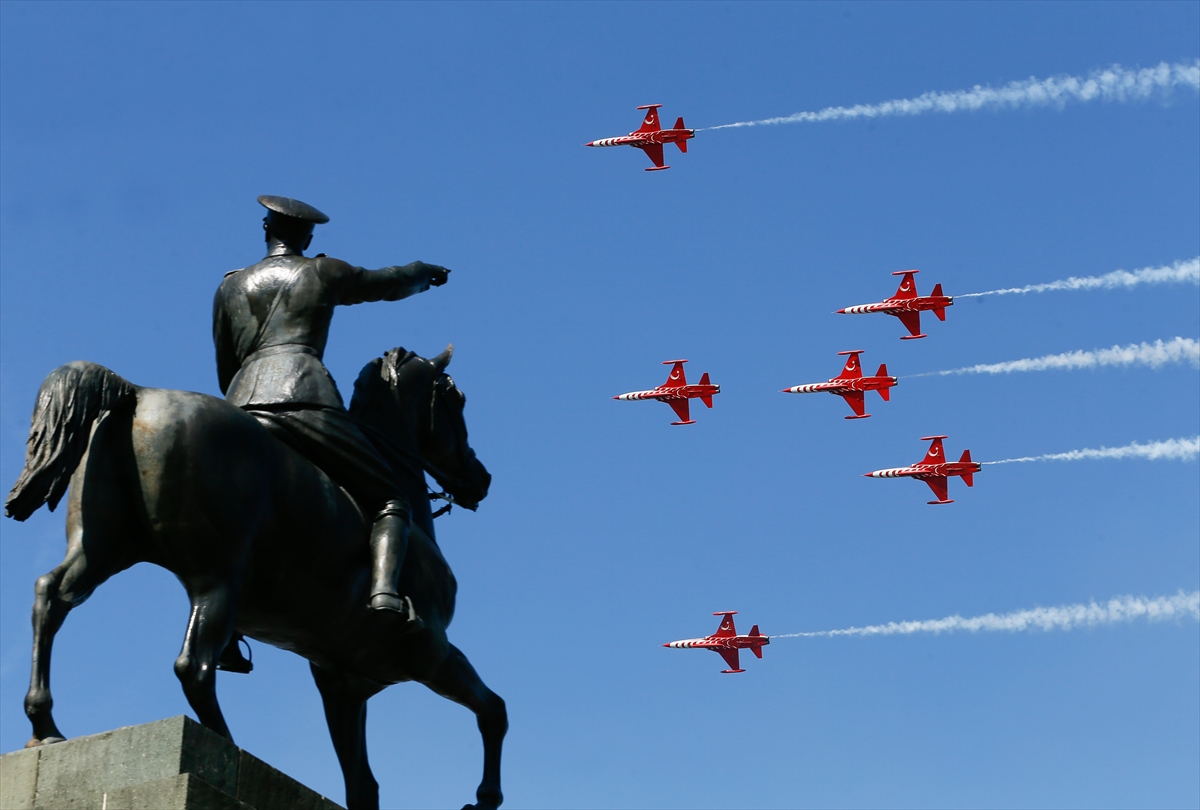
[727, 642]
[650, 137]
[907, 305]
[676, 392]
[851, 385]
[934, 469]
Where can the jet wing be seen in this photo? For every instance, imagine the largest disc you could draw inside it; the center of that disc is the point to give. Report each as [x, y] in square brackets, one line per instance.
[938, 485]
[731, 658]
[680, 406]
[911, 321]
[654, 151]
[855, 400]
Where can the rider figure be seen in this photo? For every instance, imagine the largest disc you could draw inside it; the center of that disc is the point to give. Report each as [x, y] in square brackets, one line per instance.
[270, 324]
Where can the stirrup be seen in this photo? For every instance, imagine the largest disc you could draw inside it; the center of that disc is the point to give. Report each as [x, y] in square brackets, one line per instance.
[232, 659]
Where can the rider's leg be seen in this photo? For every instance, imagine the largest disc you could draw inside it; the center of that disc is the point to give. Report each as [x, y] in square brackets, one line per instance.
[330, 439]
[389, 545]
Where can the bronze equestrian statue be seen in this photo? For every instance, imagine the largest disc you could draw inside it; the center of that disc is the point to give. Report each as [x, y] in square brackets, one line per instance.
[268, 542]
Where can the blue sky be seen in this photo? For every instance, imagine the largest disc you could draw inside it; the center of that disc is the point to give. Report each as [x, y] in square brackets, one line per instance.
[135, 137]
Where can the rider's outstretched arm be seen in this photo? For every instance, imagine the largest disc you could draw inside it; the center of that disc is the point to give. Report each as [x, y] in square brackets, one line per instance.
[355, 285]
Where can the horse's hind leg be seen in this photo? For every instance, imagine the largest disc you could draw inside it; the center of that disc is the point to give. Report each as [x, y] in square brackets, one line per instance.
[458, 681]
[55, 593]
[345, 698]
[210, 627]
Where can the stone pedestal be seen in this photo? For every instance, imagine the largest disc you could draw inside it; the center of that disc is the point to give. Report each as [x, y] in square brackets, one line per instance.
[174, 764]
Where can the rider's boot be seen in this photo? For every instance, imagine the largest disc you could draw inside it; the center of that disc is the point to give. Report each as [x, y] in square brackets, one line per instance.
[389, 544]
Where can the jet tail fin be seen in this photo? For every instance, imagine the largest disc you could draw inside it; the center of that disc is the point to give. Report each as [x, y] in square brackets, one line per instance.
[756, 649]
[681, 144]
[939, 311]
[886, 393]
[968, 478]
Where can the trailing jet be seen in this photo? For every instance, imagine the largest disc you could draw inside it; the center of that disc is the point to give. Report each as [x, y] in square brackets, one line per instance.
[907, 305]
[676, 392]
[934, 469]
[650, 137]
[726, 641]
[851, 385]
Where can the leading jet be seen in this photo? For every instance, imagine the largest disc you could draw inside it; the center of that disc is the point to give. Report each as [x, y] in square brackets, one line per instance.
[676, 392]
[851, 385]
[650, 137]
[727, 642]
[935, 470]
[907, 305]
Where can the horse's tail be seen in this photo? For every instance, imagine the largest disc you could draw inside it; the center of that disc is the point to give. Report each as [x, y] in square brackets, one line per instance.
[72, 398]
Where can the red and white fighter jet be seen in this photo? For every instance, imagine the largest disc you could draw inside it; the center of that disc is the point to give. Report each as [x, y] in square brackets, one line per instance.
[907, 305]
[934, 469]
[727, 642]
[851, 385]
[676, 392]
[650, 137]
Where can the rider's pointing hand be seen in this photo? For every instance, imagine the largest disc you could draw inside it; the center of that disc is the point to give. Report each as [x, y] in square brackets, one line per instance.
[437, 274]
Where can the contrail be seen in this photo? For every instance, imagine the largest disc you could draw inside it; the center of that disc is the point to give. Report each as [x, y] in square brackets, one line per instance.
[1109, 84]
[1154, 355]
[1065, 617]
[1181, 271]
[1171, 449]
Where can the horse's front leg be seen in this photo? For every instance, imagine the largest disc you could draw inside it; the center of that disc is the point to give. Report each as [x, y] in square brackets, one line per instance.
[458, 681]
[210, 627]
[345, 699]
[55, 594]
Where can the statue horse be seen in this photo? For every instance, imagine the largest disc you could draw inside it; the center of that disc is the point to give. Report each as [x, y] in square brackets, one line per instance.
[264, 542]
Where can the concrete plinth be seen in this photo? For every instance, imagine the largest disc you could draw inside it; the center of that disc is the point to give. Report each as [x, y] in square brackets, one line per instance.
[173, 764]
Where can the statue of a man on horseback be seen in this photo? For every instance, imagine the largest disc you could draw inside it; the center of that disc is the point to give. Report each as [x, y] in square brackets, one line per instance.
[270, 325]
[287, 518]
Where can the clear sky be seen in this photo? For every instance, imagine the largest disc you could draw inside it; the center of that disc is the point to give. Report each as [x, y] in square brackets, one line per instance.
[134, 139]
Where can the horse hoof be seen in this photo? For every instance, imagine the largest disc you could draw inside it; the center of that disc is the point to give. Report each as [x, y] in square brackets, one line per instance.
[35, 742]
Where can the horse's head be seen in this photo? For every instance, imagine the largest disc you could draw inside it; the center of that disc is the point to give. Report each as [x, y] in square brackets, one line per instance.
[415, 407]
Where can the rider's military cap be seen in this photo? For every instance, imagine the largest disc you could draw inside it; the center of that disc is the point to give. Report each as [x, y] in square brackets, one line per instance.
[292, 208]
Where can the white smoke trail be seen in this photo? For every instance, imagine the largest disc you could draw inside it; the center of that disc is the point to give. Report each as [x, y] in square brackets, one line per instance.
[1181, 271]
[1109, 84]
[1154, 355]
[1171, 449]
[1065, 617]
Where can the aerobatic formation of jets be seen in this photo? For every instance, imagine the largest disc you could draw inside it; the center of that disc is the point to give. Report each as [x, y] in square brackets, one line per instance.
[850, 384]
[726, 642]
[650, 137]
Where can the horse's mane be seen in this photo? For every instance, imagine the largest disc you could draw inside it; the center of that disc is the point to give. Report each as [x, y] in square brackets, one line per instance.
[385, 369]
